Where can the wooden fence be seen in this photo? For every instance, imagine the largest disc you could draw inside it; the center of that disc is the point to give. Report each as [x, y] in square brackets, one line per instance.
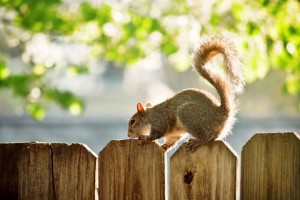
[269, 168]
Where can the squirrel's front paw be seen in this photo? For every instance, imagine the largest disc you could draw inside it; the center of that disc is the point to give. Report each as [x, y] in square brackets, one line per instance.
[142, 137]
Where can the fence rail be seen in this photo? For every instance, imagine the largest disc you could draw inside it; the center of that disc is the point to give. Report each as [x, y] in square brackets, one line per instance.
[133, 169]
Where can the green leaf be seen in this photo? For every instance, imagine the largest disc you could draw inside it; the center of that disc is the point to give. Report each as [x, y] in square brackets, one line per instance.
[169, 48]
[257, 62]
[66, 100]
[76, 107]
[41, 16]
[39, 70]
[237, 10]
[4, 72]
[292, 85]
[90, 13]
[19, 84]
[253, 28]
[215, 19]
[76, 70]
[36, 111]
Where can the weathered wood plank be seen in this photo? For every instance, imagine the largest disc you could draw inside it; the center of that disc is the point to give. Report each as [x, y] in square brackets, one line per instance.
[271, 167]
[131, 169]
[9, 156]
[74, 172]
[47, 171]
[35, 172]
[208, 173]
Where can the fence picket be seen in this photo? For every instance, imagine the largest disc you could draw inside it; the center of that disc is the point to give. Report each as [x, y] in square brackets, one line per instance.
[135, 169]
[208, 173]
[74, 172]
[9, 156]
[271, 167]
[131, 169]
[47, 171]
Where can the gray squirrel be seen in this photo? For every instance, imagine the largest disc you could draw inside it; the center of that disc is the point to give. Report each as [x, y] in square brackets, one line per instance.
[195, 111]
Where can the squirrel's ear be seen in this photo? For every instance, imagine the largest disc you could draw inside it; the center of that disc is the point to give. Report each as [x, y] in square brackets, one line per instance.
[148, 105]
[140, 107]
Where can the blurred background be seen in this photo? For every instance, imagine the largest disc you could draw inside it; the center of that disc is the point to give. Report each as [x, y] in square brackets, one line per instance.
[73, 71]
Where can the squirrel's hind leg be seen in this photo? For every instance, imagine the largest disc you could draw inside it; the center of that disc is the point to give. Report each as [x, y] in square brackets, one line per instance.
[198, 125]
[193, 144]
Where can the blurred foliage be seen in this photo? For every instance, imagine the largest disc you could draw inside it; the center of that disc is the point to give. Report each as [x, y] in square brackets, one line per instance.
[267, 32]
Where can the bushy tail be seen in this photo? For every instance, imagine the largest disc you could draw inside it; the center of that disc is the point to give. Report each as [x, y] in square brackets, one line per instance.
[228, 86]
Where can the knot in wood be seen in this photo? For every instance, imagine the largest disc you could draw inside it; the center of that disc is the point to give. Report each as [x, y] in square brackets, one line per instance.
[188, 177]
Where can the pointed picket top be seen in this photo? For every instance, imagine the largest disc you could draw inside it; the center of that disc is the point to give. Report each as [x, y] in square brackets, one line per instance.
[270, 167]
[131, 169]
[56, 170]
[210, 172]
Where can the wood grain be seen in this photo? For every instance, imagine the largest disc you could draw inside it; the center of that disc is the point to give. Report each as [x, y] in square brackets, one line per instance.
[9, 156]
[208, 173]
[271, 167]
[131, 169]
[47, 171]
[134, 169]
[74, 171]
[35, 172]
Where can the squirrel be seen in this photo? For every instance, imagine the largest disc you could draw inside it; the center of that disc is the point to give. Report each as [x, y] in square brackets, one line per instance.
[195, 111]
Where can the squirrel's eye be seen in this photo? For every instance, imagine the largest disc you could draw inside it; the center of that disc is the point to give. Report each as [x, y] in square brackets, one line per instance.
[132, 122]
